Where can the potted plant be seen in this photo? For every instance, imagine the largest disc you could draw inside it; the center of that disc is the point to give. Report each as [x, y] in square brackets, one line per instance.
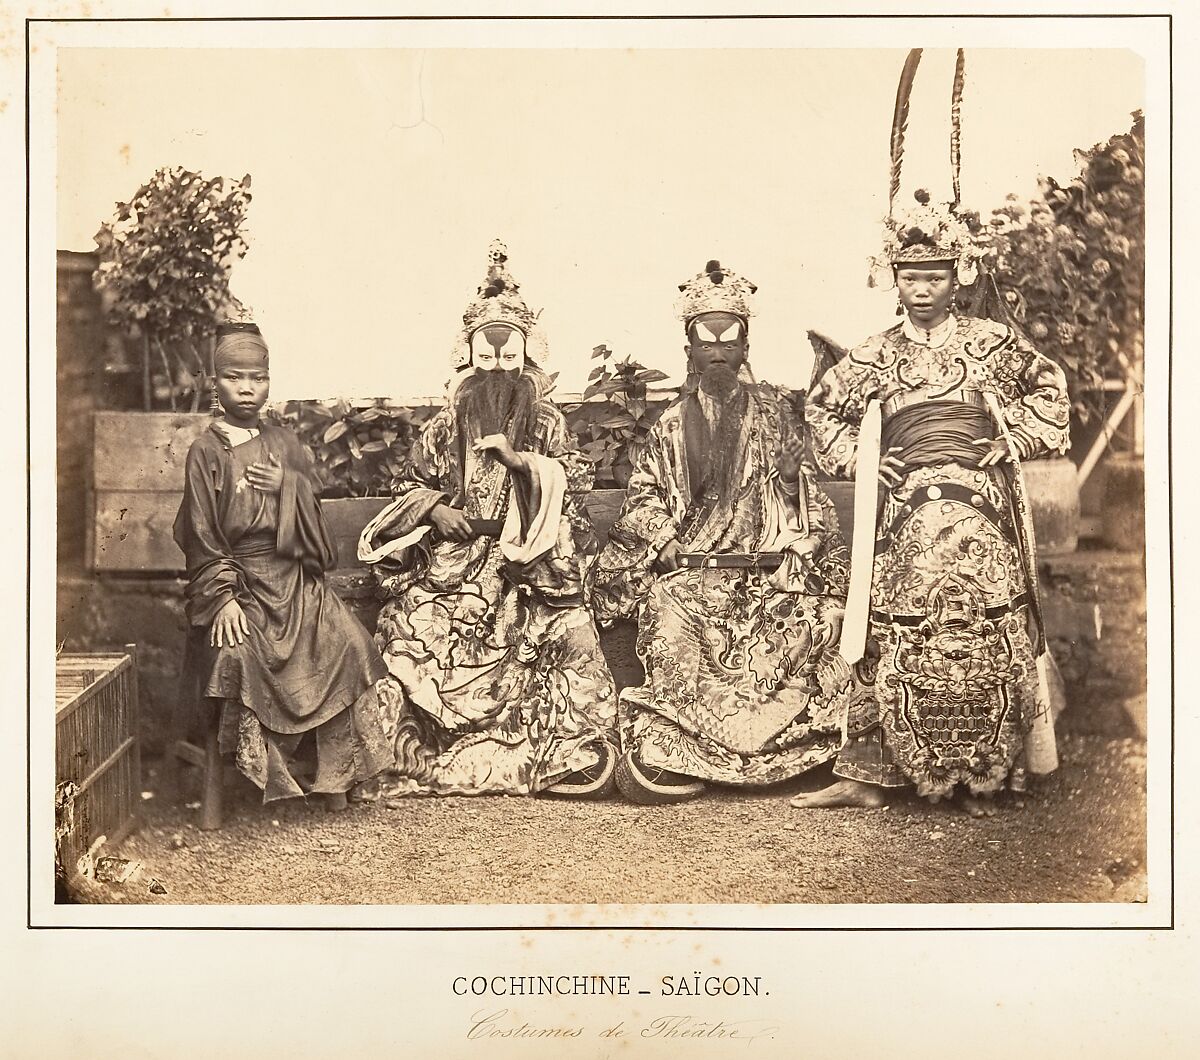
[164, 261]
[359, 448]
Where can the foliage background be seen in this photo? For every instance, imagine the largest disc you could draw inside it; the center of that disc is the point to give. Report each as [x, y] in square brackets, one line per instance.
[165, 261]
[1070, 266]
[358, 447]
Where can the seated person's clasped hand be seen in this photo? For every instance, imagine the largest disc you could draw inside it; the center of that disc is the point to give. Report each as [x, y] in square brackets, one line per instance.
[668, 557]
[266, 477]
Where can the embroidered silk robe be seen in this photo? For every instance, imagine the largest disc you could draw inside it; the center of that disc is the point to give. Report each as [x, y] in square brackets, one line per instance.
[953, 598]
[744, 684]
[497, 682]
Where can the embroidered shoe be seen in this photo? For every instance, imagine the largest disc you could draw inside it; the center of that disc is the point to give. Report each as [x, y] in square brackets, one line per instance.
[596, 781]
[652, 786]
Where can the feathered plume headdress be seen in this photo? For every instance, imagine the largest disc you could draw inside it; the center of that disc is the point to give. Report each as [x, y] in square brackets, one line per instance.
[927, 231]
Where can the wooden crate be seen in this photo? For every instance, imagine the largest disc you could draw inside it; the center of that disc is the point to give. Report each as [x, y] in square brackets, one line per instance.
[96, 747]
[138, 461]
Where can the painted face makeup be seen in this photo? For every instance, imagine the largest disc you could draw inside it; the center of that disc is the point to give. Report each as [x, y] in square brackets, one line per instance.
[717, 338]
[498, 346]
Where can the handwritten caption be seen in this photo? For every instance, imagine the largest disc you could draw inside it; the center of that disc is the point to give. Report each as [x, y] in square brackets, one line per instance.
[501, 1023]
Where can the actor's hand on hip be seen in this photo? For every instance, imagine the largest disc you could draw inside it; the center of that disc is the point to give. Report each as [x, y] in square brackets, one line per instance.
[998, 451]
[891, 468]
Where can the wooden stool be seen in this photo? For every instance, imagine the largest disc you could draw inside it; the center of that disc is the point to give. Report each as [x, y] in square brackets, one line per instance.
[208, 759]
[212, 766]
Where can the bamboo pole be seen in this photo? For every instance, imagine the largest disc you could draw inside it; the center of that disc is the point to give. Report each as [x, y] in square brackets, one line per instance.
[1114, 421]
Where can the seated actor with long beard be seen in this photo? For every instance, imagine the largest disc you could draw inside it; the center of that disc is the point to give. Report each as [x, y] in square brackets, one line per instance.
[497, 682]
[731, 559]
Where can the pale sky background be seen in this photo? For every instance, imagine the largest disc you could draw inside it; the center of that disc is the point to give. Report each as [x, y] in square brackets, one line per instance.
[381, 176]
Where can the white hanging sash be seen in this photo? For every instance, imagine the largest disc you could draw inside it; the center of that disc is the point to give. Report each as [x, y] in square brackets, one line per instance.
[547, 485]
[862, 550]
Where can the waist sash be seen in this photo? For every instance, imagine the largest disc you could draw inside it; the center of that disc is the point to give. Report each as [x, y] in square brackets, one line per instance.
[257, 543]
[938, 432]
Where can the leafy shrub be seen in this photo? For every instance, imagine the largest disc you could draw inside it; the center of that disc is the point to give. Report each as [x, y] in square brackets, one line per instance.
[610, 430]
[165, 259]
[359, 447]
[1070, 268]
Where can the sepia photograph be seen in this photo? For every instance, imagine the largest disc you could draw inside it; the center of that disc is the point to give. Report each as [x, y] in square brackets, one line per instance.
[571, 533]
[492, 475]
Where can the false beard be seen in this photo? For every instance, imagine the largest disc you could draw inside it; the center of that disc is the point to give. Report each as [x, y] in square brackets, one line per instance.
[719, 382]
[497, 402]
[713, 449]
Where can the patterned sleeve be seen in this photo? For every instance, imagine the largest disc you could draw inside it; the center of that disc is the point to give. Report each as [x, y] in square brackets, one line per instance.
[790, 454]
[646, 516]
[815, 501]
[1039, 412]
[427, 482]
[834, 410]
[624, 572]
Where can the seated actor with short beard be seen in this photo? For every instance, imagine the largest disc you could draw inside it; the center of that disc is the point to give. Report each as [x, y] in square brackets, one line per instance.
[497, 682]
[731, 559]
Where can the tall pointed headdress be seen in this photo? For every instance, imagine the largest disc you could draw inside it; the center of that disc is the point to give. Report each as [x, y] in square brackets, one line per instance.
[928, 230]
[498, 301]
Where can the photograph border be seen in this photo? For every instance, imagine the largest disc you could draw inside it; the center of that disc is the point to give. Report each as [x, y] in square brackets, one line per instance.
[1170, 681]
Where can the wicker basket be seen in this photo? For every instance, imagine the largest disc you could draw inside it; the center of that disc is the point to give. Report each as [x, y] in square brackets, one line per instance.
[97, 756]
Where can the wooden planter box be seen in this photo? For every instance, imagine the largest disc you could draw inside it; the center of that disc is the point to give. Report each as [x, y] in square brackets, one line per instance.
[137, 483]
[138, 461]
[96, 749]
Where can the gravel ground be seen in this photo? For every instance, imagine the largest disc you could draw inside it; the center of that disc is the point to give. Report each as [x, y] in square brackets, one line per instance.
[1078, 836]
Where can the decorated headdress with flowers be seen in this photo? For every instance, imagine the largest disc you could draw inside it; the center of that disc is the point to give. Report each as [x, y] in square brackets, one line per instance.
[498, 301]
[715, 290]
[927, 231]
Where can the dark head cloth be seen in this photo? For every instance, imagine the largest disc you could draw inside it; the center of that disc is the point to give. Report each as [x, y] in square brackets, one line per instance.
[240, 346]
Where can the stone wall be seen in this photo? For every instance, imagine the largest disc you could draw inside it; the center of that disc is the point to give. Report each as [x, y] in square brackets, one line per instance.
[79, 378]
[1094, 604]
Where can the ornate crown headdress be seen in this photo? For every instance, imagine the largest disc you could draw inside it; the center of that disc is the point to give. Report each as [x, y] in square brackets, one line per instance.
[928, 231]
[498, 301]
[715, 290]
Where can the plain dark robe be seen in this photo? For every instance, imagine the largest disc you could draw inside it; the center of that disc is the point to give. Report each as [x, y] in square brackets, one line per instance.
[308, 665]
